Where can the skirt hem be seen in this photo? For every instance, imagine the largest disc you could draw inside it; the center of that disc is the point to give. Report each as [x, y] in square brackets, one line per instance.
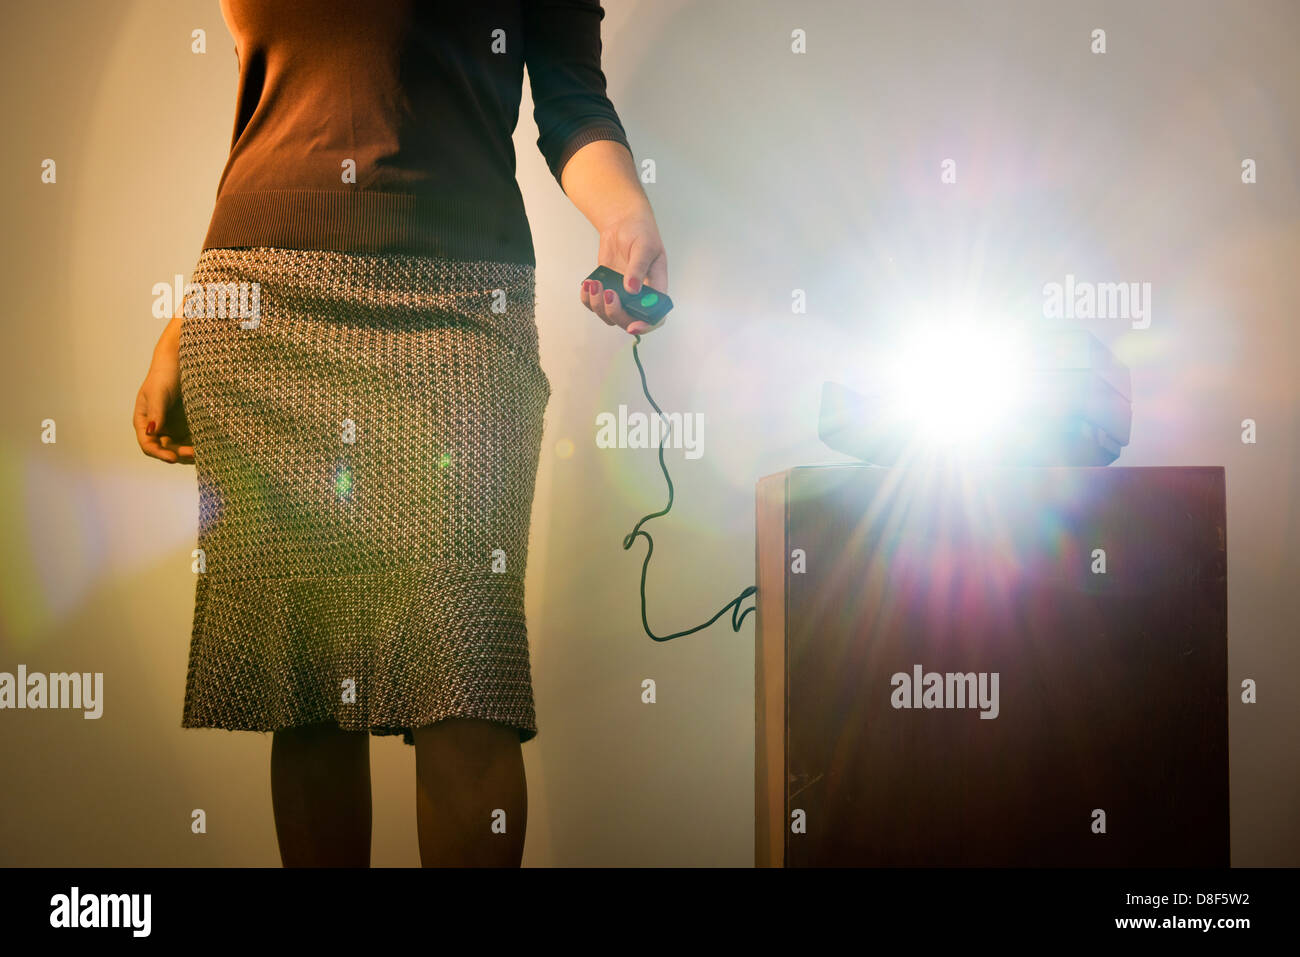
[382, 652]
[526, 732]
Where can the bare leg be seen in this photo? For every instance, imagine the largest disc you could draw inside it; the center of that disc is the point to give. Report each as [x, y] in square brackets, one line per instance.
[320, 790]
[468, 773]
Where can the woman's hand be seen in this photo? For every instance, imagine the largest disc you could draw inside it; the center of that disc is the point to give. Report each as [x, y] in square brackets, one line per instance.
[160, 424]
[630, 245]
[601, 180]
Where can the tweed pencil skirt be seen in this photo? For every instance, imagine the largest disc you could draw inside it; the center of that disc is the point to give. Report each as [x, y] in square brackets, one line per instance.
[366, 437]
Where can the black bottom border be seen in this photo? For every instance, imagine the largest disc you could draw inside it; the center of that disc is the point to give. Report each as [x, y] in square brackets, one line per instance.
[620, 905]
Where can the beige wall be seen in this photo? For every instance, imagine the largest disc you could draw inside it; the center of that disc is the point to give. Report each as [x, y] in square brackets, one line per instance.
[775, 172]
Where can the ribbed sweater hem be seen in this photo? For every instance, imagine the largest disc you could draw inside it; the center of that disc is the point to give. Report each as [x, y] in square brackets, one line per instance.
[362, 221]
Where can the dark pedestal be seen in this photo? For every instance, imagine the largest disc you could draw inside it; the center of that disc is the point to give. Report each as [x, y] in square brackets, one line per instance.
[1111, 688]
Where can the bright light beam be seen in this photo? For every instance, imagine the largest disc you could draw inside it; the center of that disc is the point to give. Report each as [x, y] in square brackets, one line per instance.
[958, 387]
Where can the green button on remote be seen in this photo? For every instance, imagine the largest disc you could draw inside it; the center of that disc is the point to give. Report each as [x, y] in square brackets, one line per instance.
[646, 304]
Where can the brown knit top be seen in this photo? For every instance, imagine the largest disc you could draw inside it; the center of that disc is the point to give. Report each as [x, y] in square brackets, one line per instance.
[385, 126]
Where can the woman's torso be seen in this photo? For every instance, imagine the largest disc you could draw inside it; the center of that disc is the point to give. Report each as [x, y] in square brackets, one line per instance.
[375, 126]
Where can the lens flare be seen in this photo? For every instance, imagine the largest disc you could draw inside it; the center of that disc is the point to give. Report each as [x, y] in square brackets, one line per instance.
[956, 388]
[343, 482]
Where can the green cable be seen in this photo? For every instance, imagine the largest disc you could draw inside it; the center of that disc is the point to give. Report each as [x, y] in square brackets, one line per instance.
[734, 604]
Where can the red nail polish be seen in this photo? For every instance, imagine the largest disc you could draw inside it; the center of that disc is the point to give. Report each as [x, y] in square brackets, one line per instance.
[148, 429]
[609, 297]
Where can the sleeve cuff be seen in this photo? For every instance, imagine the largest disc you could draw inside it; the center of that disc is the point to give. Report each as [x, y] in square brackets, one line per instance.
[580, 139]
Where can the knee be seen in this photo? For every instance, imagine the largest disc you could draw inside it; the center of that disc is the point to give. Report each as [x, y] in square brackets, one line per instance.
[324, 739]
[469, 736]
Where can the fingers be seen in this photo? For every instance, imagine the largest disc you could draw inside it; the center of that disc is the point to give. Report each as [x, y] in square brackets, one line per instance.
[184, 453]
[593, 297]
[148, 421]
[641, 258]
[657, 274]
[614, 308]
[655, 270]
[150, 411]
[155, 449]
[606, 304]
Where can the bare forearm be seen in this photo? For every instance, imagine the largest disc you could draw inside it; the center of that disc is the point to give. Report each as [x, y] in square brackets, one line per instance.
[600, 179]
[164, 353]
